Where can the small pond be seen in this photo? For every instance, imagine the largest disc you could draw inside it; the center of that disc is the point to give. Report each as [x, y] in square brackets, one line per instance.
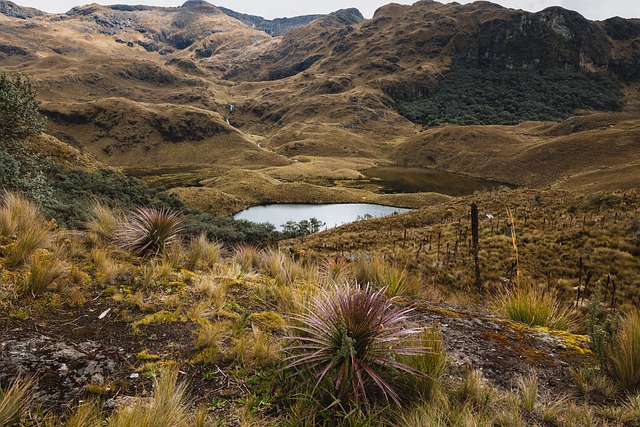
[331, 214]
[396, 179]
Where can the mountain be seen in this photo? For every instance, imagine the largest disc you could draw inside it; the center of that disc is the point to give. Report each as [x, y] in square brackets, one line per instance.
[199, 87]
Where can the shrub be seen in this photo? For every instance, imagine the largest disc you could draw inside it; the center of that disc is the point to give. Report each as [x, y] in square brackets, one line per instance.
[149, 231]
[18, 110]
[349, 340]
[624, 354]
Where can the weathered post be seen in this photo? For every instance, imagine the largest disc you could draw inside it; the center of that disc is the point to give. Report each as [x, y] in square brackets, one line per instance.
[476, 245]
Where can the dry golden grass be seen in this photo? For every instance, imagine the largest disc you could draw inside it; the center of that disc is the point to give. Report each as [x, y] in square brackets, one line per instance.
[45, 270]
[14, 401]
[105, 222]
[23, 224]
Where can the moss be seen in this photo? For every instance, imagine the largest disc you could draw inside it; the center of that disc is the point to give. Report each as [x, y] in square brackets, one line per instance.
[573, 342]
[268, 321]
[98, 390]
[151, 369]
[162, 316]
[147, 355]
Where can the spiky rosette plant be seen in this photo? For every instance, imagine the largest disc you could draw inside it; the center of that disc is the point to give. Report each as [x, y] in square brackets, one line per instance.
[349, 338]
[149, 231]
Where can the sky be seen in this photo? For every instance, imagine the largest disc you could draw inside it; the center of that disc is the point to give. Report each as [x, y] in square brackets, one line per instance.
[590, 9]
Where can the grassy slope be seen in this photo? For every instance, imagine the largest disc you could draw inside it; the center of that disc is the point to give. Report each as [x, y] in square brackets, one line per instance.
[554, 230]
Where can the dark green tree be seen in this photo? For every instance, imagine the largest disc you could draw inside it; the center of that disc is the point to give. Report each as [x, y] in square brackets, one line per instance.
[19, 116]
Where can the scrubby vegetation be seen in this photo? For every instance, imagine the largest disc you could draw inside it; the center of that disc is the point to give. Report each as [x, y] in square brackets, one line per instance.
[468, 96]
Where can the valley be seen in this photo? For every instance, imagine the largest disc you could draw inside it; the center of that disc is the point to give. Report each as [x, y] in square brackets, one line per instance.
[507, 294]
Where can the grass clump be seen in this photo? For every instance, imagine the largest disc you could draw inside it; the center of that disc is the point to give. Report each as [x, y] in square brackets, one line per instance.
[624, 354]
[202, 251]
[104, 222]
[22, 222]
[14, 401]
[347, 341]
[167, 408]
[431, 364]
[530, 305]
[44, 271]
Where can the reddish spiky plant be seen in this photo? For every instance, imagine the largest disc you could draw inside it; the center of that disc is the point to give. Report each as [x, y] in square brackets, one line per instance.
[351, 336]
[149, 231]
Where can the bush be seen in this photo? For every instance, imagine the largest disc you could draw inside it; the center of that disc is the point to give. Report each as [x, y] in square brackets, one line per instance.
[18, 110]
[349, 340]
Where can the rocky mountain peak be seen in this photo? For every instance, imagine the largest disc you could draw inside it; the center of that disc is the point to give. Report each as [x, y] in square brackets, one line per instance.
[201, 6]
[14, 11]
[349, 16]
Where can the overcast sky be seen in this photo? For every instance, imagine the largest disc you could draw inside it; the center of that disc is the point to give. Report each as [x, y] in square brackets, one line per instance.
[591, 9]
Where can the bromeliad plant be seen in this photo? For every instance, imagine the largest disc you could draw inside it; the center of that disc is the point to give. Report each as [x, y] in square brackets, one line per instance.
[349, 339]
[149, 231]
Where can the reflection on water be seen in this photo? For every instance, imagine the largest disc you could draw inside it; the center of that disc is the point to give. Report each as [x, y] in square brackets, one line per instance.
[396, 179]
[331, 214]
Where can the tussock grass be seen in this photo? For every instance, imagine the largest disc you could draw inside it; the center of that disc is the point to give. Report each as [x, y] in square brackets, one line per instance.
[528, 390]
[335, 270]
[431, 364]
[255, 349]
[103, 225]
[44, 271]
[530, 305]
[397, 281]
[15, 400]
[214, 290]
[248, 257]
[201, 251]
[631, 410]
[108, 270]
[624, 354]
[22, 221]
[87, 414]
[167, 408]
[282, 267]
[214, 335]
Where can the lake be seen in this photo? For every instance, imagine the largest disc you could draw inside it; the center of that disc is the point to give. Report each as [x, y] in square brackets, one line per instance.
[331, 214]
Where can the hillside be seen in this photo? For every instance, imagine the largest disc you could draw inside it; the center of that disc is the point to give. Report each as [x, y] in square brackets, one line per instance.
[196, 90]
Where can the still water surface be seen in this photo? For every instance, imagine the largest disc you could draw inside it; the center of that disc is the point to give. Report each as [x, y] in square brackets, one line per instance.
[331, 214]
